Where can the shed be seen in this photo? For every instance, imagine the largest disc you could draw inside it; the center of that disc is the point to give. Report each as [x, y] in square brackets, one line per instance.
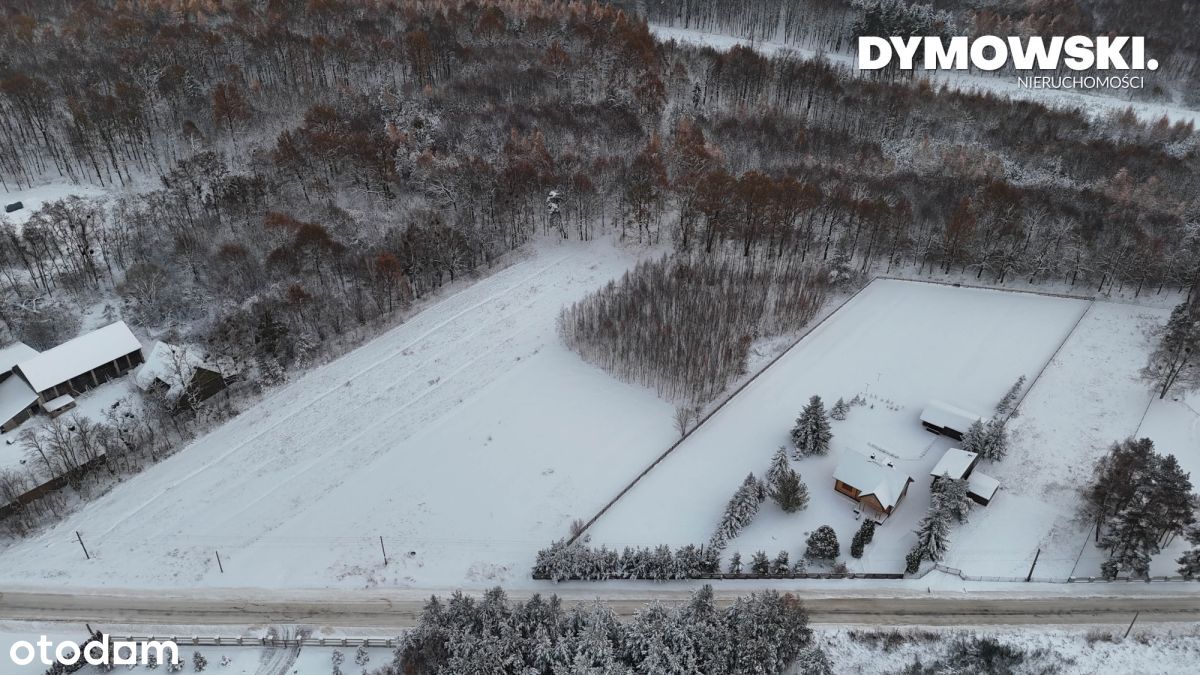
[58, 406]
[13, 354]
[948, 420]
[982, 488]
[956, 463]
[82, 363]
[879, 486]
[181, 373]
[17, 403]
[15, 206]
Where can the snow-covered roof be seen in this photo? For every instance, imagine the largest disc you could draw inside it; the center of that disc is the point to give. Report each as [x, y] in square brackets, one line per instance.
[14, 354]
[947, 416]
[15, 396]
[955, 463]
[870, 477]
[173, 365]
[76, 357]
[982, 485]
[60, 403]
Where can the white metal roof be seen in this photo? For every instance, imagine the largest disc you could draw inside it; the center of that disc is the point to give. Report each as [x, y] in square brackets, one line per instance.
[982, 485]
[14, 354]
[15, 396]
[76, 357]
[173, 365]
[955, 463]
[947, 416]
[870, 477]
[59, 403]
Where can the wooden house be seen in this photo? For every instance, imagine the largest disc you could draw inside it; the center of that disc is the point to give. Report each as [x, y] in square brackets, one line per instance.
[877, 486]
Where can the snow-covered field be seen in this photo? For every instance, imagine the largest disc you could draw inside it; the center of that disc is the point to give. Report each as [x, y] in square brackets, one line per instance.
[1095, 103]
[899, 344]
[1074, 651]
[467, 438]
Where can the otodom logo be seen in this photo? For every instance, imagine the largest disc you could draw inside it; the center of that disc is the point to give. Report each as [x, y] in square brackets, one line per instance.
[97, 652]
[1125, 55]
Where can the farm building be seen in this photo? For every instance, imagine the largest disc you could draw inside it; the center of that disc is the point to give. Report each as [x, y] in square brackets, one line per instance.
[181, 374]
[876, 486]
[17, 403]
[947, 420]
[960, 464]
[12, 355]
[77, 365]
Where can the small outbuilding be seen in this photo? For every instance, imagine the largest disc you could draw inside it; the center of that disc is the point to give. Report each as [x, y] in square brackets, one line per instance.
[948, 420]
[82, 363]
[878, 486]
[181, 374]
[956, 463]
[982, 488]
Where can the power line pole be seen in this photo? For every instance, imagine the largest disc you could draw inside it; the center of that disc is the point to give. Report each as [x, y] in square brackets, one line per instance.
[1029, 577]
[219, 565]
[384, 550]
[85, 551]
[1135, 617]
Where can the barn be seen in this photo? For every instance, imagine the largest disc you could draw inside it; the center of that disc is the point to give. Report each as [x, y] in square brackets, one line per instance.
[17, 403]
[12, 355]
[876, 486]
[58, 374]
[181, 374]
[947, 420]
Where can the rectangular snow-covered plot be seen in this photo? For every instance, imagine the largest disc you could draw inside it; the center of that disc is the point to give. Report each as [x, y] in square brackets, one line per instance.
[467, 437]
[897, 345]
[1089, 397]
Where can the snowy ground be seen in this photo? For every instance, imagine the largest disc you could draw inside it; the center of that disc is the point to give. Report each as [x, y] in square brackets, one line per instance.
[33, 198]
[898, 344]
[467, 437]
[1088, 398]
[1097, 103]
[1160, 650]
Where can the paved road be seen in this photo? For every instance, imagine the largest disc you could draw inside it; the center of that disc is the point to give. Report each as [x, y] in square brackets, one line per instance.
[400, 608]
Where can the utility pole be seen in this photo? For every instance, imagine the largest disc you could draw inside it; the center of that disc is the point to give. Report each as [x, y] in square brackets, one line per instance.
[1029, 577]
[219, 565]
[1135, 617]
[384, 550]
[85, 551]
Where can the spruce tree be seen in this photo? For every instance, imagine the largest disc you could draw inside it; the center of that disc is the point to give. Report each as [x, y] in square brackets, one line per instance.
[912, 561]
[780, 566]
[933, 535]
[812, 433]
[822, 544]
[1189, 562]
[866, 532]
[975, 438]
[839, 410]
[735, 563]
[779, 465]
[760, 563]
[950, 497]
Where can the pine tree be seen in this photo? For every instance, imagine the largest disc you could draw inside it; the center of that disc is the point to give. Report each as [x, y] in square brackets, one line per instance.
[996, 441]
[760, 563]
[780, 566]
[812, 433]
[822, 544]
[740, 511]
[789, 491]
[199, 663]
[779, 466]
[933, 535]
[975, 438]
[912, 561]
[839, 410]
[1005, 406]
[735, 563]
[866, 532]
